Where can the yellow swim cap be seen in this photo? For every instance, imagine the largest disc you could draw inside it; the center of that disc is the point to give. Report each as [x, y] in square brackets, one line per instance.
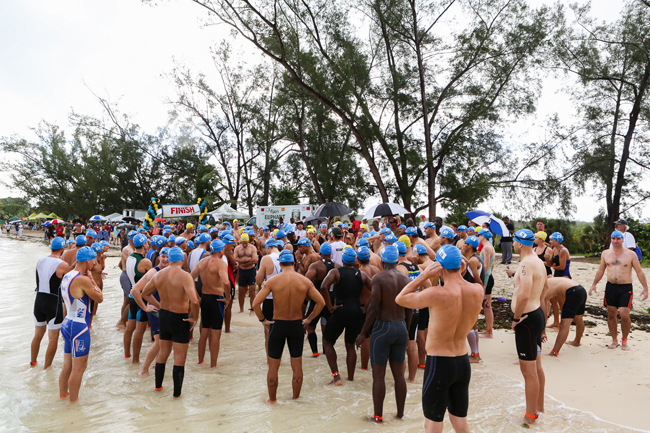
[311, 230]
[241, 230]
[190, 225]
[541, 235]
[345, 247]
[274, 231]
[235, 221]
[244, 237]
[406, 240]
[363, 226]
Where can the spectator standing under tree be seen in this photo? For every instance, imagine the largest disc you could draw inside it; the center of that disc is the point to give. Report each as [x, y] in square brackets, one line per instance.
[506, 243]
[628, 239]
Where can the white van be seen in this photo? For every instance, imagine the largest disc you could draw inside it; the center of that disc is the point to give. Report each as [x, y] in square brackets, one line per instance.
[264, 214]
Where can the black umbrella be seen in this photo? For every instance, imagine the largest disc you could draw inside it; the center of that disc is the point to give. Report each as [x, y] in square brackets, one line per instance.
[313, 218]
[332, 209]
[125, 226]
[385, 209]
[131, 220]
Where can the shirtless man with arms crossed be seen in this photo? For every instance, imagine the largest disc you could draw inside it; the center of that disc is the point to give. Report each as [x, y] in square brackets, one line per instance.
[618, 262]
[289, 290]
[529, 321]
[175, 287]
[246, 257]
[454, 308]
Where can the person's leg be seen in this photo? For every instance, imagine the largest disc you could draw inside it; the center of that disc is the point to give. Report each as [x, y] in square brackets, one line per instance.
[531, 384]
[296, 381]
[161, 359]
[432, 426]
[52, 344]
[128, 333]
[124, 313]
[626, 325]
[563, 333]
[272, 379]
[612, 324]
[227, 317]
[422, 347]
[330, 353]
[472, 339]
[379, 388]
[138, 335]
[555, 306]
[580, 329]
[541, 379]
[39, 332]
[74, 383]
[350, 360]
[242, 297]
[365, 354]
[397, 368]
[251, 297]
[150, 356]
[412, 352]
[313, 340]
[215, 339]
[180, 355]
[460, 424]
[64, 377]
[489, 316]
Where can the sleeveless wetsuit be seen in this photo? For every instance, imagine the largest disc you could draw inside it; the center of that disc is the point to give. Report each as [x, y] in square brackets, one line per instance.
[132, 263]
[414, 272]
[325, 313]
[47, 305]
[348, 316]
[74, 329]
[488, 279]
[561, 272]
[153, 317]
[541, 257]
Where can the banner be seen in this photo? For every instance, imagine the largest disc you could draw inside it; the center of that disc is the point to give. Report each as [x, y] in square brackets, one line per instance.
[180, 210]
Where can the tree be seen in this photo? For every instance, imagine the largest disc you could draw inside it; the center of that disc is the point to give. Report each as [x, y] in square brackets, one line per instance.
[14, 207]
[612, 64]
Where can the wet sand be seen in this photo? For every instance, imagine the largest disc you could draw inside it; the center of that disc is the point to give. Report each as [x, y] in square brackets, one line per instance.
[612, 385]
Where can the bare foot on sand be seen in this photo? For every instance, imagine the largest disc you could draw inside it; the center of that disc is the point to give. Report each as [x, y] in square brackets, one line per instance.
[144, 373]
[336, 381]
[573, 343]
[474, 359]
[553, 325]
[614, 345]
[485, 334]
[624, 346]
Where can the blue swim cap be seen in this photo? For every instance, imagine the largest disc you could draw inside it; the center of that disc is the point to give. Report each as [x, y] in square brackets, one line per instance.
[420, 249]
[558, 237]
[411, 231]
[69, 241]
[167, 226]
[346, 226]
[132, 234]
[141, 230]
[449, 257]
[86, 253]
[372, 233]
[228, 239]
[57, 243]
[97, 247]
[326, 249]
[429, 224]
[304, 242]
[91, 234]
[164, 251]
[462, 228]
[447, 232]
[286, 256]
[104, 243]
[486, 233]
[217, 245]
[363, 253]
[166, 232]
[270, 243]
[172, 239]
[212, 230]
[322, 225]
[390, 239]
[139, 240]
[525, 237]
[176, 254]
[81, 240]
[251, 233]
[180, 241]
[389, 254]
[280, 234]
[401, 248]
[349, 256]
[227, 223]
[385, 231]
[221, 233]
[160, 241]
[615, 234]
[366, 235]
[280, 244]
[190, 245]
[266, 229]
[363, 242]
[204, 237]
[473, 241]
[401, 226]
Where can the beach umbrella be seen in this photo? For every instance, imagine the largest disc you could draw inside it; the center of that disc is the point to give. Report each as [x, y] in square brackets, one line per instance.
[332, 209]
[58, 221]
[125, 226]
[159, 219]
[497, 226]
[47, 223]
[315, 218]
[96, 218]
[385, 209]
[129, 219]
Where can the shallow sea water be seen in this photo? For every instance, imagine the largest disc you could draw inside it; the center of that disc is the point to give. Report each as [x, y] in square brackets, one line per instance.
[231, 398]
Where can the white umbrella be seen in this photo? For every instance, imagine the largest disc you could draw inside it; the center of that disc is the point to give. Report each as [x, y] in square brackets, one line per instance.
[385, 209]
[96, 218]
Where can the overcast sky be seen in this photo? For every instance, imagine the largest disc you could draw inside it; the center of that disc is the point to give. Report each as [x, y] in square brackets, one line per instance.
[53, 52]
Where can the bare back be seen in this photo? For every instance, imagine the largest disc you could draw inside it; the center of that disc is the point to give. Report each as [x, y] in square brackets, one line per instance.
[175, 287]
[289, 290]
[388, 284]
[214, 275]
[530, 280]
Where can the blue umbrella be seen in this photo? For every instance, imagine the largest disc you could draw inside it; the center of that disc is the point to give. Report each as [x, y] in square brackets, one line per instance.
[47, 223]
[497, 226]
[96, 218]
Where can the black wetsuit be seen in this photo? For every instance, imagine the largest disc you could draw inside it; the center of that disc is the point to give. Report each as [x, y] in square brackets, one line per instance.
[414, 272]
[541, 257]
[348, 316]
[329, 265]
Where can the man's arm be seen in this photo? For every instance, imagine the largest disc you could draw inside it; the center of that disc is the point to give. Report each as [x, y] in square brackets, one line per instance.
[316, 297]
[190, 291]
[259, 299]
[87, 284]
[261, 272]
[641, 276]
[331, 278]
[599, 273]
[523, 294]
[136, 291]
[372, 311]
[409, 297]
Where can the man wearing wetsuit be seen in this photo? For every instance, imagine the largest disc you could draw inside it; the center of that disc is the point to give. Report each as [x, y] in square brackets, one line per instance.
[619, 262]
[246, 257]
[411, 270]
[97, 272]
[151, 309]
[77, 289]
[454, 308]
[214, 299]
[337, 245]
[175, 287]
[572, 296]
[349, 283]
[136, 267]
[124, 279]
[364, 256]
[390, 336]
[316, 273]
[289, 290]
[48, 306]
[269, 266]
[529, 320]
[487, 255]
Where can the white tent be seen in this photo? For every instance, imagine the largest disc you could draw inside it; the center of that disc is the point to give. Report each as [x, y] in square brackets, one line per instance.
[225, 212]
[114, 217]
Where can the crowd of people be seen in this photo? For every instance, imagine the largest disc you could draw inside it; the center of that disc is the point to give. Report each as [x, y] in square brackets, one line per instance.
[406, 296]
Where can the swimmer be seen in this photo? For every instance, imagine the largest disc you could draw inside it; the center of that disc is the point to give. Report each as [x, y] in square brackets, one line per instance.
[619, 262]
[454, 308]
[124, 279]
[246, 257]
[487, 256]
[364, 257]
[269, 266]
[573, 297]
[289, 290]
[475, 273]
[98, 275]
[48, 305]
[390, 336]
[177, 297]
[136, 268]
[77, 289]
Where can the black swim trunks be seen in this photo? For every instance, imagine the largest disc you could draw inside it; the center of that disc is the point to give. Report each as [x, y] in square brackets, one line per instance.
[198, 284]
[489, 285]
[528, 335]
[348, 319]
[574, 305]
[267, 309]
[414, 324]
[48, 310]
[173, 327]
[446, 386]
[423, 319]
[290, 331]
[388, 342]
[136, 313]
[247, 277]
[212, 311]
[618, 295]
[310, 309]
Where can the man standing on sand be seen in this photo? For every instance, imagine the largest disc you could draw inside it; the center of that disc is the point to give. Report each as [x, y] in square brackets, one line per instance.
[619, 262]
[572, 296]
[454, 308]
[529, 320]
[390, 323]
[246, 257]
[175, 287]
[487, 256]
[289, 290]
